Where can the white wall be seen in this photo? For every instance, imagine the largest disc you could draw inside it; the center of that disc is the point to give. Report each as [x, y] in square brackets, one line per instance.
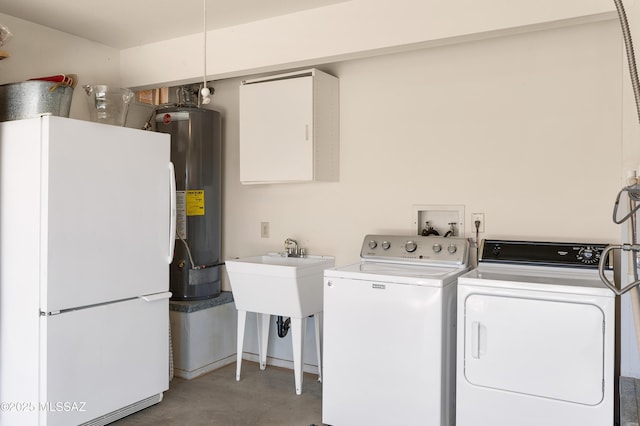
[38, 51]
[342, 31]
[524, 128]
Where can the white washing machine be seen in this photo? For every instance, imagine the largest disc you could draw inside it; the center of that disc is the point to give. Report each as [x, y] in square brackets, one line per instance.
[389, 333]
[535, 337]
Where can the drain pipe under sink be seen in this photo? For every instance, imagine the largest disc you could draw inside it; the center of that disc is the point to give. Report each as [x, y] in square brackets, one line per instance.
[283, 325]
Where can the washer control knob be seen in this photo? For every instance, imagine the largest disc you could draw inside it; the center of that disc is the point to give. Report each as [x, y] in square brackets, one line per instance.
[452, 248]
[410, 246]
[437, 248]
[373, 244]
[386, 245]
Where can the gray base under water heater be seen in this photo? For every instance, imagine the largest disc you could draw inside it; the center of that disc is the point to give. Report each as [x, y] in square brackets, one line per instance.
[196, 153]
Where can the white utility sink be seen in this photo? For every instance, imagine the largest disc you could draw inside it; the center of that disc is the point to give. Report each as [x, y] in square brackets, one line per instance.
[274, 284]
[278, 285]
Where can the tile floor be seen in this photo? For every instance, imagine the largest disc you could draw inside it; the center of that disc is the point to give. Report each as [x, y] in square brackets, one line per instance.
[260, 398]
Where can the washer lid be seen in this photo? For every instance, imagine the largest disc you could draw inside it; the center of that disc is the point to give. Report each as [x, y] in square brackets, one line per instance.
[398, 273]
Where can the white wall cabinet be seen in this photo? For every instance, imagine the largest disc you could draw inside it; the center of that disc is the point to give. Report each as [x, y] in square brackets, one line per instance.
[289, 128]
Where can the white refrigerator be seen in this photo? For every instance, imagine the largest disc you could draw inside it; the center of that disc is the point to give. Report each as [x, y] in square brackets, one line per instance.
[87, 218]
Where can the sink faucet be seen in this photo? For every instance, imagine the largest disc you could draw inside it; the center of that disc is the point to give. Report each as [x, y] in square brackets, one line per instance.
[291, 247]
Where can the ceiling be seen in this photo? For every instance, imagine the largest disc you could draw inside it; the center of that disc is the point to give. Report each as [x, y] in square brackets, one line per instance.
[126, 23]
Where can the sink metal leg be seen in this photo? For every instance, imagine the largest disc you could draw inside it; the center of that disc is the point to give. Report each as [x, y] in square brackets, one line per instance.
[242, 318]
[298, 328]
[317, 319]
[264, 321]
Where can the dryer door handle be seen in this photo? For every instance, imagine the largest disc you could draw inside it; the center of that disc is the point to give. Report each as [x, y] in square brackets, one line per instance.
[475, 339]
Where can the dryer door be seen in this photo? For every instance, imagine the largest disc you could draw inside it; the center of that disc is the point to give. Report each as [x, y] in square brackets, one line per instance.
[551, 349]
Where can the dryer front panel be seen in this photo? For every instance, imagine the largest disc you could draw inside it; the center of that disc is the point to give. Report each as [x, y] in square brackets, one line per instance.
[543, 348]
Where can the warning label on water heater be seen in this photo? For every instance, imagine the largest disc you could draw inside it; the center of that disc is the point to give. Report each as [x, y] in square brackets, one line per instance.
[195, 202]
[181, 217]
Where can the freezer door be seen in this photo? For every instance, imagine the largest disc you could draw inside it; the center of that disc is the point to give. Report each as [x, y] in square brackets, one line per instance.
[97, 360]
[105, 213]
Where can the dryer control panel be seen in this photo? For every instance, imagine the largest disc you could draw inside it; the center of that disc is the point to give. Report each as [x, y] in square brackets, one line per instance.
[573, 255]
[416, 249]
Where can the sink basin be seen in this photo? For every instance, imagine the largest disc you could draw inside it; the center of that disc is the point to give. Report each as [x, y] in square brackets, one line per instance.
[277, 285]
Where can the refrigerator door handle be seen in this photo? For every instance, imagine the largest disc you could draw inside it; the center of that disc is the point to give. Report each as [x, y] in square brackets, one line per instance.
[172, 226]
[156, 297]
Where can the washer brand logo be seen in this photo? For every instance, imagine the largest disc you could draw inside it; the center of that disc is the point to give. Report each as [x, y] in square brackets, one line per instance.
[563, 253]
[378, 286]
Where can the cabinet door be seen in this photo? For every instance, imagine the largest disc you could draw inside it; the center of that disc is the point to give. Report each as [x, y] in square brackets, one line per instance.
[276, 131]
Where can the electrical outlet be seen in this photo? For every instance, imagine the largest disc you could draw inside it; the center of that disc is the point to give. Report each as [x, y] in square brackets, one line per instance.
[477, 217]
[264, 229]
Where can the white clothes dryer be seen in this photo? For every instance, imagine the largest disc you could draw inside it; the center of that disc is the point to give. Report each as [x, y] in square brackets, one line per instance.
[389, 333]
[535, 337]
